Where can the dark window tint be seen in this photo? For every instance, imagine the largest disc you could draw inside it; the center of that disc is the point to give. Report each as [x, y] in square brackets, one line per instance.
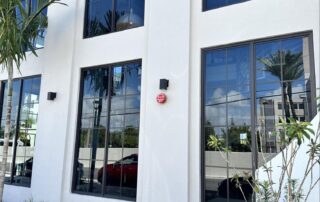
[213, 4]
[108, 133]
[23, 129]
[31, 6]
[105, 16]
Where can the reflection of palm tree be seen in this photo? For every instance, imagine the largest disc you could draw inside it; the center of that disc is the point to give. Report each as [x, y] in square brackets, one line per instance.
[98, 83]
[287, 66]
[98, 26]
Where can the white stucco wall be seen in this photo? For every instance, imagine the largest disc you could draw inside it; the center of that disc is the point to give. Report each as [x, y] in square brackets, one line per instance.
[170, 46]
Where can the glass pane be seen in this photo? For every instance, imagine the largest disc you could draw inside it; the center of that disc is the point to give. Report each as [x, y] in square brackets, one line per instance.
[122, 128]
[118, 81]
[238, 66]
[216, 115]
[95, 83]
[94, 108]
[129, 172]
[216, 71]
[268, 62]
[133, 104]
[129, 14]
[215, 96]
[116, 137]
[212, 4]
[118, 105]
[133, 78]
[239, 112]
[27, 131]
[98, 18]
[113, 171]
[131, 138]
[215, 164]
[89, 176]
[92, 143]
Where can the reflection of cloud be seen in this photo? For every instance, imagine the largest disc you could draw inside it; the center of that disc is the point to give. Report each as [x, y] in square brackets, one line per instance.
[238, 108]
[277, 93]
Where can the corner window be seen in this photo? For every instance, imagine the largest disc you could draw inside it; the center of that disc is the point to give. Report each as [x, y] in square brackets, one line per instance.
[106, 158]
[213, 4]
[246, 90]
[24, 116]
[106, 16]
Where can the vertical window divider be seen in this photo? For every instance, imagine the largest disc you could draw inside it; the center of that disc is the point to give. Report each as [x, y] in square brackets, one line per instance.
[125, 68]
[227, 124]
[16, 135]
[113, 23]
[253, 113]
[202, 121]
[107, 136]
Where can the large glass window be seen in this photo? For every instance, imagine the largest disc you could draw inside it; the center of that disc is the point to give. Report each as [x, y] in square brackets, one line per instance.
[213, 4]
[31, 6]
[107, 140]
[247, 89]
[24, 116]
[106, 16]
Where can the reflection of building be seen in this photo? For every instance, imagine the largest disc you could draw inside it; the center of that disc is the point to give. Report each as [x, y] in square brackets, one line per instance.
[171, 43]
[271, 113]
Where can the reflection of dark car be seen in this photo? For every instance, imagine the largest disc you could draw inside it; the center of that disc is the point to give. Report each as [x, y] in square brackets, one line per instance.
[25, 168]
[234, 190]
[125, 169]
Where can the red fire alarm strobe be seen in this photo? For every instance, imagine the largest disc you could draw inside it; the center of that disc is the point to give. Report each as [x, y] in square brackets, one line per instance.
[161, 98]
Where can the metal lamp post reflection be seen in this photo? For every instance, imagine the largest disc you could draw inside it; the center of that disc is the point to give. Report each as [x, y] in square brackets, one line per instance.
[97, 105]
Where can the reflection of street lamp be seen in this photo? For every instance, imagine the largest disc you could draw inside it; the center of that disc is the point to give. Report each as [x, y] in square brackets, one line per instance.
[96, 123]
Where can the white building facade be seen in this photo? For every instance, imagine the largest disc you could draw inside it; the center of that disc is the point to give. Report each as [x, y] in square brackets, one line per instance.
[185, 42]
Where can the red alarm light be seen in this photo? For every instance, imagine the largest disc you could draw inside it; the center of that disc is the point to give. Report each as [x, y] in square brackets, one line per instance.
[161, 98]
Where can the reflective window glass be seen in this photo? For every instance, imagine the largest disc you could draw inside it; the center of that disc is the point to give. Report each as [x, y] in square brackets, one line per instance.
[24, 119]
[109, 131]
[282, 89]
[213, 4]
[106, 16]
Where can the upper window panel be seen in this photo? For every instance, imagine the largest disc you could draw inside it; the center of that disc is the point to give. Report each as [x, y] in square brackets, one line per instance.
[31, 6]
[106, 16]
[213, 4]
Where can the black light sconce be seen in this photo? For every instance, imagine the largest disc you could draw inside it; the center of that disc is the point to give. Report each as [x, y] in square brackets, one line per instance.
[164, 84]
[51, 95]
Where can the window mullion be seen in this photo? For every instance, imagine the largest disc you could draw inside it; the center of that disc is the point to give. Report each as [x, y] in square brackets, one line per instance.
[106, 140]
[113, 23]
[253, 112]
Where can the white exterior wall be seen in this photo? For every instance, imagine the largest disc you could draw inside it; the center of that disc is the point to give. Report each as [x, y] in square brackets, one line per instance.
[170, 46]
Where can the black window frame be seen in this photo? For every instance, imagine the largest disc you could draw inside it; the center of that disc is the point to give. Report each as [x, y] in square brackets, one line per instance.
[252, 62]
[204, 7]
[78, 129]
[16, 134]
[113, 30]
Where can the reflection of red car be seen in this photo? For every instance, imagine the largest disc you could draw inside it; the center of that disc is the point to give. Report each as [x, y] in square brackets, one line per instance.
[125, 169]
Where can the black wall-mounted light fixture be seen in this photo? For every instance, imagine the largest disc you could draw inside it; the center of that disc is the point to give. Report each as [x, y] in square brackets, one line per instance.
[51, 95]
[164, 84]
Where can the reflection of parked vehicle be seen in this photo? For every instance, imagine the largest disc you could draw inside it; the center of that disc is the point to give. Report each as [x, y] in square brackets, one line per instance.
[25, 168]
[234, 191]
[125, 169]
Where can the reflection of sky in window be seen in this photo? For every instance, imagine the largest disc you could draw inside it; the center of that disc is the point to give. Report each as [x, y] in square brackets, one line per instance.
[98, 10]
[218, 90]
[212, 4]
